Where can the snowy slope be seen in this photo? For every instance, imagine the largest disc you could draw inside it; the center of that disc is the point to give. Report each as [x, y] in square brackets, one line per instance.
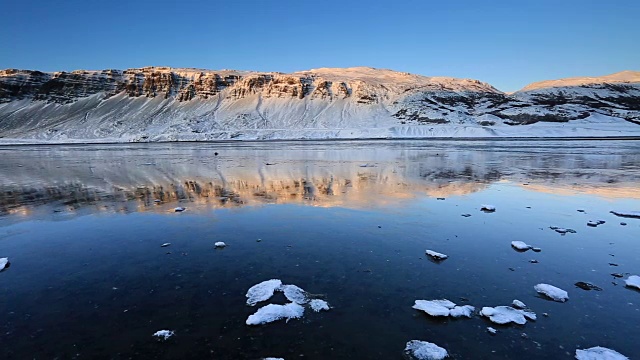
[167, 104]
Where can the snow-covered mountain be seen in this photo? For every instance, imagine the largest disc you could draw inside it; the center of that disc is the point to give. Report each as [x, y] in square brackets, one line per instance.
[168, 104]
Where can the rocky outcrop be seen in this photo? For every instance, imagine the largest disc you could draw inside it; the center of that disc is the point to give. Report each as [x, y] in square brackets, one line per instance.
[161, 103]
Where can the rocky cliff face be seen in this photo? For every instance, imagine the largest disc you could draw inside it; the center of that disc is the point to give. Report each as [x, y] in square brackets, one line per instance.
[160, 103]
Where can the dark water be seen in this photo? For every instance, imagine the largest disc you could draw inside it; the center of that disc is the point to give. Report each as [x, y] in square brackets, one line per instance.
[348, 220]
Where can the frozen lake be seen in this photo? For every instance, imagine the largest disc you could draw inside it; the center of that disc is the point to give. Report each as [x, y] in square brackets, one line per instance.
[347, 221]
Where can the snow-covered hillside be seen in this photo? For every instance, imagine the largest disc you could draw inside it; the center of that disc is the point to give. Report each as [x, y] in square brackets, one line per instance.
[167, 104]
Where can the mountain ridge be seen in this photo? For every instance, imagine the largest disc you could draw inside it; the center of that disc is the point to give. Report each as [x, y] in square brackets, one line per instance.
[174, 104]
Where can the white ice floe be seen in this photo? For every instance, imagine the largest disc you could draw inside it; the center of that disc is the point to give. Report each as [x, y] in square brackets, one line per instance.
[491, 330]
[443, 307]
[423, 350]
[165, 244]
[435, 307]
[273, 312]
[632, 281]
[520, 245]
[489, 208]
[3, 263]
[506, 314]
[262, 291]
[317, 305]
[164, 334]
[459, 311]
[294, 294]
[436, 255]
[631, 214]
[518, 304]
[219, 244]
[552, 292]
[179, 209]
[599, 353]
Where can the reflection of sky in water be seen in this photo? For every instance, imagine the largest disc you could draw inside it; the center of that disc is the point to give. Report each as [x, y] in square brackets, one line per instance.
[99, 285]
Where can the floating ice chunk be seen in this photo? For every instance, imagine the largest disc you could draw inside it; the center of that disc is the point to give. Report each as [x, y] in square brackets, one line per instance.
[443, 307]
[432, 307]
[436, 255]
[165, 244]
[632, 281]
[552, 292]
[506, 314]
[599, 353]
[262, 291]
[179, 209]
[423, 350]
[521, 246]
[487, 208]
[272, 312]
[518, 304]
[629, 214]
[219, 244]
[562, 230]
[491, 330]
[294, 294]
[4, 263]
[459, 311]
[317, 305]
[164, 334]
[595, 223]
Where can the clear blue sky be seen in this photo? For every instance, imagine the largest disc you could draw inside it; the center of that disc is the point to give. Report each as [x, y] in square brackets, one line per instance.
[506, 43]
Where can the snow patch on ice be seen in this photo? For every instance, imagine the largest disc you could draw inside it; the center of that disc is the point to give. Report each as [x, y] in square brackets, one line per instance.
[487, 208]
[3, 263]
[317, 305]
[518, 304]
[552, 292]
[443, 307]
[423, 350]
[521, 246]
[273, 312]
[434, 307]
[506, 314]
[459, 311]
[164, 334]
[436, 255]
[262, 291]
[632, 281]
[599, 353]
[294, 294]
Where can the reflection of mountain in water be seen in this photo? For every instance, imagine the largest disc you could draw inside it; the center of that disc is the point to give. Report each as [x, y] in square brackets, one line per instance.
[348, 174]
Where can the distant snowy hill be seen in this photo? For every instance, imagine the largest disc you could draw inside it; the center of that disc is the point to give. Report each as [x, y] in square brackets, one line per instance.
[168, 104]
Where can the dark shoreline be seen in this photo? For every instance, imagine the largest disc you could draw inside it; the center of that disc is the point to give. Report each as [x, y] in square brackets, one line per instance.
[501, 138]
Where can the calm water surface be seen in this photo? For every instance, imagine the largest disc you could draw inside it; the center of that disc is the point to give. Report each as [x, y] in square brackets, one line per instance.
[349, 221]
